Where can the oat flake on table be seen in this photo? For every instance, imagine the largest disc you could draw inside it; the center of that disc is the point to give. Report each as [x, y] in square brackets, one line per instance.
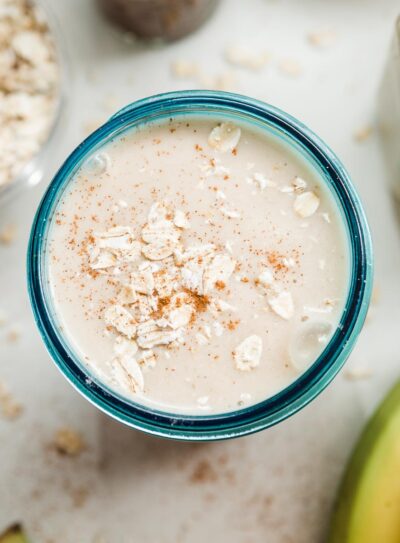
[29, 76]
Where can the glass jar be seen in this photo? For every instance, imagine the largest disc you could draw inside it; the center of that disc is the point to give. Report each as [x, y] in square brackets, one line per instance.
[165, 19]
[306, 386]
[389, 112]
[33, 171]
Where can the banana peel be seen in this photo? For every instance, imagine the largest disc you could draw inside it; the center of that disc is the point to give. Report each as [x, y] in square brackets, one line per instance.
[368, 504]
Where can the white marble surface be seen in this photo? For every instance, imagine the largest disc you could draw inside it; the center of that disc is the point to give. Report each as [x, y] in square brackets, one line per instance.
[277, 486]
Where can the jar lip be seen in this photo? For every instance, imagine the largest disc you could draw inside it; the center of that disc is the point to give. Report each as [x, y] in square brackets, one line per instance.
[307, 385]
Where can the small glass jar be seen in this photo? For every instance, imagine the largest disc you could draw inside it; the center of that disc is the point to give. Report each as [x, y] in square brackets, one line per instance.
[165, 19]
[389, 112]
[34, 170]
[307, 385]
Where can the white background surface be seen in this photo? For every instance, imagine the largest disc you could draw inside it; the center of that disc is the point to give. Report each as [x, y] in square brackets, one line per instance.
[277, 486]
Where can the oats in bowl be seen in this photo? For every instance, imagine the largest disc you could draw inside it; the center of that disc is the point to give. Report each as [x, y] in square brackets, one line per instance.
[29, 87]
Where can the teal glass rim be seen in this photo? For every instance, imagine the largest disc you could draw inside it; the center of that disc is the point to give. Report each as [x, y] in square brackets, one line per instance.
[309, 384]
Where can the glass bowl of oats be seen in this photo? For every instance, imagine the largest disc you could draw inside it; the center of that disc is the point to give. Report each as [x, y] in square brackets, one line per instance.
[30, 93]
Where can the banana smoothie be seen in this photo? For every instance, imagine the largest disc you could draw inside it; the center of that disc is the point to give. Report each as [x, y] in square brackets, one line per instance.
[197, 266]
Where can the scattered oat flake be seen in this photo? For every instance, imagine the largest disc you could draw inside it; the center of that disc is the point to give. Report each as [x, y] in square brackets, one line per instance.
[228, 247]
[147, 358]
[184, 69]
[220, 194]
[113, 247]
[68, 442]
[125, 346]
[118, 238]
[180, 219]
[180, 316]
[325, 308]
[370, 314]
[13, 334]
[306, 204]
[142, 281]
[299, 184]
[322, 38]
[376, 295]
[329, 303]
[290, 67]
[102, 259]
[230, 213]
[244, 397]
[326, 217]
[262, 181]
[160, 233]
[266, 278]
[219, 270]
[201, 339]
[244, 58]
[206, 250]
[218, 328]
[10, 409]
[126, 371]
[158, 251]
[289, 262]
[222, 305]
[8, 234]
[79, 495]
[151, 338]
[224, 81]
[363, 133]
[224, 137]
[282, 304]
[248, 353]
[120, 318]
[358, 373]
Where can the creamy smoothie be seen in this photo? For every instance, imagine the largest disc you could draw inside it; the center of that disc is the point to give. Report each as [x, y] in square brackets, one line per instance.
[197, 266]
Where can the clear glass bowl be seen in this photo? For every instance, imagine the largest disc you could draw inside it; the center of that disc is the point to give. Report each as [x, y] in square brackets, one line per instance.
[309, 384]
[389, 112]
[33, 172]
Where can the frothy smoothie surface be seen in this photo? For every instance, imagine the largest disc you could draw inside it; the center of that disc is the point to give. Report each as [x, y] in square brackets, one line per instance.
[197, 266]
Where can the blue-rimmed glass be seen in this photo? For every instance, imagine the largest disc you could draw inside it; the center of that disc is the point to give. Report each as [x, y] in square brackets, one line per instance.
[218, 105]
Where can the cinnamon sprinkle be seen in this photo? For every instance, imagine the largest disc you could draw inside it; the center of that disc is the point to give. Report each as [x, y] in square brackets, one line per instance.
[232, 324]
[199, 301]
